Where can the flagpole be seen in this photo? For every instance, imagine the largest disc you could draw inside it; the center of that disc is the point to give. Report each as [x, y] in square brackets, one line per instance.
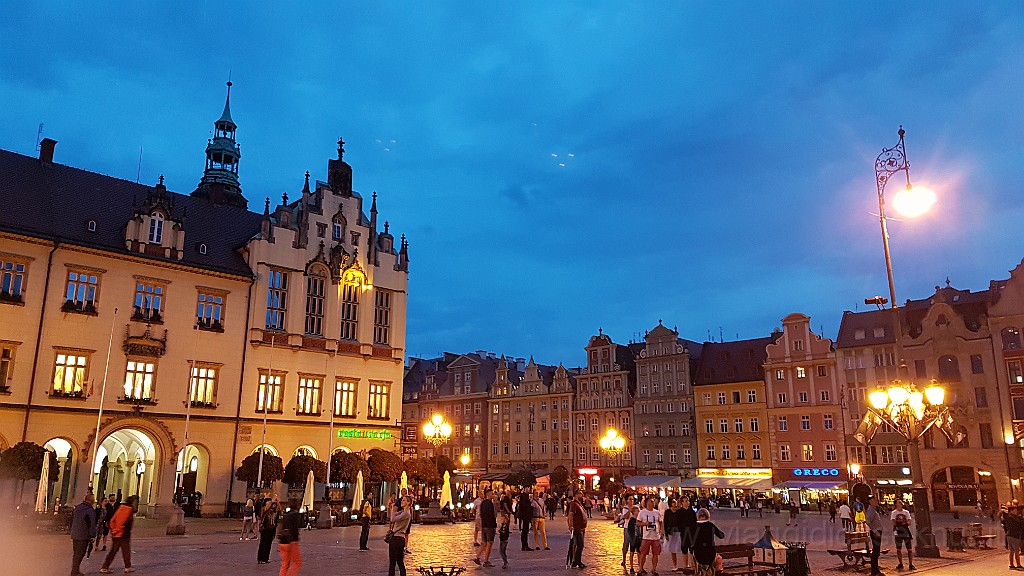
[192, 378]
[266, 404]
[103, 395]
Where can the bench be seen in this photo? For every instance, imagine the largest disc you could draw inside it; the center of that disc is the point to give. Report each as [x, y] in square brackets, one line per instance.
[741, 552]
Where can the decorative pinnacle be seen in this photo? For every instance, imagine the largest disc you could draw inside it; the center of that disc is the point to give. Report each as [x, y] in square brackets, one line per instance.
[284, 198]
[305, 187]
[161, 179]
[266, 206]
[341, 147]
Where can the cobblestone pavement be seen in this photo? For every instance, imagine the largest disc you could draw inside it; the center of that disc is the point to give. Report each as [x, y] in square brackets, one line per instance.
[212, 547]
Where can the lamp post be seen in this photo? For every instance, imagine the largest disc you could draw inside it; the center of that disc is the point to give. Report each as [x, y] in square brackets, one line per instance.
[912, 412]
[437, 431]
[911, 202]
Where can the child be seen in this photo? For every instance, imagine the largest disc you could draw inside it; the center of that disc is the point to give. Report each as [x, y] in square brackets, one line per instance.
[503, 533]
[635, 536]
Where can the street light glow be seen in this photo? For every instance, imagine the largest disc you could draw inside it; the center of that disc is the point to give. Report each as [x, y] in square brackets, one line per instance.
[936, 395]
[913, 201]
[879, 399]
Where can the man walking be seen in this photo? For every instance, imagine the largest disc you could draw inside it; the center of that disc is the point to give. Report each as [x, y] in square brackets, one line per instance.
[121, 535]
[476, 520]
[874, 522]
[846, 516]
[539, 522]
[577, 518]
[83, 530]
[488, 526]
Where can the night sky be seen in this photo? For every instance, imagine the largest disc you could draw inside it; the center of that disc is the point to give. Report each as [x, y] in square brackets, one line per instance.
[560, 167]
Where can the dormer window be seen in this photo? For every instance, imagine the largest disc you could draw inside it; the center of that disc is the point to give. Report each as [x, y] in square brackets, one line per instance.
[336, 231]
[156, 228]
[202, 248]
[91, 226]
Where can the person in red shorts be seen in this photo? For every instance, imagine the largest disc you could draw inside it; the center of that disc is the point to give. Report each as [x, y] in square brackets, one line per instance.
[653, 529]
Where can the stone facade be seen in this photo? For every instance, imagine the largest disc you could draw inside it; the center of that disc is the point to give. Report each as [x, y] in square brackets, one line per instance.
[208, 310]
[804, 405]
[666, 440]
[604, 400]
[530, 421]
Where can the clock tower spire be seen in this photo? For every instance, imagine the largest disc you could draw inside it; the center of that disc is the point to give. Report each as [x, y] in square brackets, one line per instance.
[220, 184]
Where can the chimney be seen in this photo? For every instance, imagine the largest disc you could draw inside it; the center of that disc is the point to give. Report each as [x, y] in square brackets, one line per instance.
[46, 147]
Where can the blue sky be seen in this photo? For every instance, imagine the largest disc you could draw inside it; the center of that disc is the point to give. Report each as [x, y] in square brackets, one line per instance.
[560, 167]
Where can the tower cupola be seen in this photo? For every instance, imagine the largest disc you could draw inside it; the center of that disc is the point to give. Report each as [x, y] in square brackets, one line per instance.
[220, 184]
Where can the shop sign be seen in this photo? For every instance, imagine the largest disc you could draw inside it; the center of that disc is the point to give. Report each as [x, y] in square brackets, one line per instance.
[588, 471]
[962, 486]
[364, 434]
[833, 472]
[735, 472]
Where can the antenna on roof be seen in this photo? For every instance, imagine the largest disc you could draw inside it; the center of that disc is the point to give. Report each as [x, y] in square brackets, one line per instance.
[39, 136]
[139, 173]
[720, 337]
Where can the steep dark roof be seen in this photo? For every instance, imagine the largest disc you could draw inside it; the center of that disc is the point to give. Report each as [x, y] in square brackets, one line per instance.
[864, 324]
[739, 361]
[56, 202]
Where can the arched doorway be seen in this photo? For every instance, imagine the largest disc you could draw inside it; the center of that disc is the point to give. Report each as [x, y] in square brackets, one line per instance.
[191, 475]
[126, 464]
[62, 486]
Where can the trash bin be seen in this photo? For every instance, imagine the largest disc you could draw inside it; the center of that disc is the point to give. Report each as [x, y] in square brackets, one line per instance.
[955, 539]
[796, 559]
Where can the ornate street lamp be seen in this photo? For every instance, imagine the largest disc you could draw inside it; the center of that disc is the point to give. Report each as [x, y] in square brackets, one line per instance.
[910, 202]
[464, 459]
[912, 412]
[437, 431]
[612, 443]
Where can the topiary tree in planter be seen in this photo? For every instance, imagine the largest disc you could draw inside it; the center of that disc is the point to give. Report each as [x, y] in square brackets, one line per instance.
[248, 472]
[297, 470]
[384, 466]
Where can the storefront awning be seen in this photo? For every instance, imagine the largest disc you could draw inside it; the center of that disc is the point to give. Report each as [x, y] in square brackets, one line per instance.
[790, 485]
[726, 482]
[495, 476]
[655, 481]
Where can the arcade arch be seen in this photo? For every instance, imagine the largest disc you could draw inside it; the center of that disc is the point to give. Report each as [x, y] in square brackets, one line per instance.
[127, 463]
[63, 486]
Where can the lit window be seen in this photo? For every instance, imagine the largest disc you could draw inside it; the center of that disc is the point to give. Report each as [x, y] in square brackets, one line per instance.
[801, 372]
[204, 385]
[139, 380]
[784, 452]
[344, 399]
[309, 395]
[268, 395]
[808, 452]
[70, 371]
[349, 310]
[755, 451]
[780, 374]
[380, 403]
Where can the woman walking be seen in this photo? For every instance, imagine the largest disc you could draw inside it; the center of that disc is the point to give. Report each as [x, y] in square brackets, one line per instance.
[400, 520]
[704, 553]
[268, 525]
[248, 521]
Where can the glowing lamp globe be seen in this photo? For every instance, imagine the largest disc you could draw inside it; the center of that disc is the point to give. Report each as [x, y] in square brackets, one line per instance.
[898, 394]
[879, 399]
[936, 395]
[913, 201]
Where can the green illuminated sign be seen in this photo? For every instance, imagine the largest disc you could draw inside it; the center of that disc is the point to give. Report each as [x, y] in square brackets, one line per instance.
[365, 434]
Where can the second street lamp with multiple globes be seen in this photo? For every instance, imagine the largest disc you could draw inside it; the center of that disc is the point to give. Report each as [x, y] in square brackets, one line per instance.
[911, 413]
[437, 431]
[612, 443]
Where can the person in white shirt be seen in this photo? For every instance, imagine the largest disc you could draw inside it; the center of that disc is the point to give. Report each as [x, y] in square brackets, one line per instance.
[846, 516]
[901, 534]
[650, 522]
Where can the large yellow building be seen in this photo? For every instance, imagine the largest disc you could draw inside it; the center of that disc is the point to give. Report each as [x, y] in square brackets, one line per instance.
[732, 417]
[286, 317]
